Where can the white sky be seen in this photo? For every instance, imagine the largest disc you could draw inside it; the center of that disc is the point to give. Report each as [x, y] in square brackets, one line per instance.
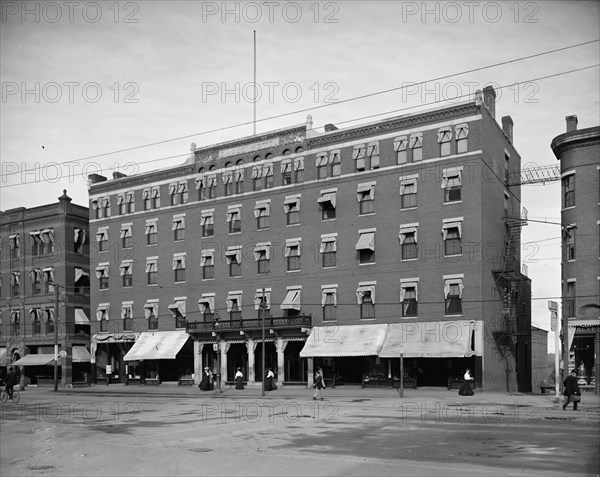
[163, 69]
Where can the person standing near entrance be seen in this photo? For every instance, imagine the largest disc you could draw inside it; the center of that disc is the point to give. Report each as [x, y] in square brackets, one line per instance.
[319, 384]
[571, 391]
[270, 383]
[239, 376]
[205, 382]
[466, 389]
[11, 381]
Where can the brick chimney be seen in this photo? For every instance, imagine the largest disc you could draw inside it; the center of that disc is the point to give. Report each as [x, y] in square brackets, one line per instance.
[330, 127]
[64, 201]
[489, 99]
[571, 123]
[507, 127]
[118, 175]
[93, 178]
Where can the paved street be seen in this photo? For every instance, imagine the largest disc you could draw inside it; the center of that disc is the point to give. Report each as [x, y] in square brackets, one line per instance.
[120, 430]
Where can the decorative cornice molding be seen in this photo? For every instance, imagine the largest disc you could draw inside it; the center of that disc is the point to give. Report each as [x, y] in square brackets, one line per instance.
[149, 178]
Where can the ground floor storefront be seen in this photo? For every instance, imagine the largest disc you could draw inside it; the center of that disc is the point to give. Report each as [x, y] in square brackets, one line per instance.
[584, 352]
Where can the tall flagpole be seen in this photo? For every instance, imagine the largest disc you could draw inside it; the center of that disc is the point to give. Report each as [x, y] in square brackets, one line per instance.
[255, 88]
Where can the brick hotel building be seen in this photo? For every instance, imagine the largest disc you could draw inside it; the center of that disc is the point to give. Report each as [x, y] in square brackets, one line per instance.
[42, 246]
[352, 245]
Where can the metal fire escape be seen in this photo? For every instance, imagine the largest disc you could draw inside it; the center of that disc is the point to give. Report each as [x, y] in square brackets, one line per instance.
[509, 279]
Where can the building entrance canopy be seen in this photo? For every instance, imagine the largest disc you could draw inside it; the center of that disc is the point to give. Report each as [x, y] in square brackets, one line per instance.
[157, 345]
[340, 341]
[433, 339]
[35, 360]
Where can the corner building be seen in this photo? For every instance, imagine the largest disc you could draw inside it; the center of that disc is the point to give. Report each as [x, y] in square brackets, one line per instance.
[351, 245]
[578, 151]
[44, 262]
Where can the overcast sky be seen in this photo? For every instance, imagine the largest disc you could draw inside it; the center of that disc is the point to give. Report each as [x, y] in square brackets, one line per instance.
[83, 79]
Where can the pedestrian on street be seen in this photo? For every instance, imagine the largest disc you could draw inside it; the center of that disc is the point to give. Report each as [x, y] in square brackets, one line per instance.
[239, 376]
[571, 390]
[319, 384]
[466, 389]
[270, 383]
[205, 382]
[11, 381]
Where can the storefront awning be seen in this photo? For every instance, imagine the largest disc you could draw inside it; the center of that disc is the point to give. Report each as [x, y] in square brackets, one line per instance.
[80, 317]
[3, 360]
[81, 355]
[157, 345]
[339, 341]
[584, 323]
[35, 360]
[434, 339]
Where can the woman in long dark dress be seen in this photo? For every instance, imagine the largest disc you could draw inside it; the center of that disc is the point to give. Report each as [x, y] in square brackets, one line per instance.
[270, 384]
[466, 389]
[205, 381]
[239, 377]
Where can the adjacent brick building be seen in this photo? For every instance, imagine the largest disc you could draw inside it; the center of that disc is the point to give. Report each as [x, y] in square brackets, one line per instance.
[352, 244]
[578, 151]
[42, 246]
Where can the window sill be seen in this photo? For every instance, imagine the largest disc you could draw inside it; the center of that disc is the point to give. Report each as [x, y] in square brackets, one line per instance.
[152, 284]
[293, 271]
[366, 214]
[454, 255]
[235, 233]
[208, 279]
[151, 244]
[183, 281]
[567, 208]
[328, 220]
[367, 319]
[453, 202]
[454, 314]
[409, 208]
[409, 259]
[293, 225]
[330, 267]
[411, 317]
[366, 263]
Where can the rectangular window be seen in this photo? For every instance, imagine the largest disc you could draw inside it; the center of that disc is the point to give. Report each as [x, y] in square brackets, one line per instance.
[366, 198]
[127, 274]
[366, 247]
[151, 232]
[178, 227]
[408, 193]
[286, 172]
[233, 257]
[570, 243]
[328, 251]
[262, 213]
[373, 154]
[408, 299]
[408, 242]
[206, 305]
[367, 305]
[48, 275]
[238, 179]
[445, 140]
[359, 156]
[451, 233]
[127, 317]
[329, 303]
[102, 276]
[227, 183]
[152, 271]
[37, 246]
[453, 296]
[327, 202]
[36, 281]
[299, 170]
[322, 163]
[49, 319]
[15, 283]
[121, 204]
[102, 239]
[452, 183]
[14, 243]
[461, 132]
[179, 267]
[400, 145]
[291, 207]
[234, 219]
[80, 241]
[416, 145]
[207, 222]
[102, 316]
[292, 254]
[568, 190]
[36, 325]
[257, 180]
[147, 199]
[268, 175]
[201, 186]
[151, 314]
[126, 236]
[207, 262]
[261, 256]
[178, 310]
[234, 307]
[570, 302]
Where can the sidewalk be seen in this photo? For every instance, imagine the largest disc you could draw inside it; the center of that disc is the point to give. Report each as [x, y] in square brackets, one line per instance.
[496, 403]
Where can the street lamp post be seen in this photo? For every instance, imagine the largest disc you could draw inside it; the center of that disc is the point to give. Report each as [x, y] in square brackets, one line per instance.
[401, 372]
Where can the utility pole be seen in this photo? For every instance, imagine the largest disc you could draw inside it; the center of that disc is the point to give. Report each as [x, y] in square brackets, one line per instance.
[401, 372]
[55, 337]
[262, 311]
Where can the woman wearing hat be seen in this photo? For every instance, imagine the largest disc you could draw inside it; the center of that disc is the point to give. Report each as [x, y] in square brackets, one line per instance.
[206, 379]
[239, 376]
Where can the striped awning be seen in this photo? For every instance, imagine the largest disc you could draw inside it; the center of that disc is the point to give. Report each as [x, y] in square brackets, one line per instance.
[340, 341]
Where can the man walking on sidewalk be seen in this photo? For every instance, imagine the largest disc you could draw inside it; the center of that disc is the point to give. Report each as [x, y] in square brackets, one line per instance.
[571, 391]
